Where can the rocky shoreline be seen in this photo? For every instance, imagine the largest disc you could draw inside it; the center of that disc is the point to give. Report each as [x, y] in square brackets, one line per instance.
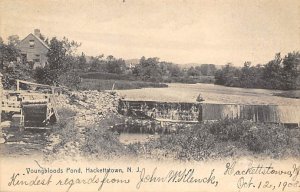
[78, 112]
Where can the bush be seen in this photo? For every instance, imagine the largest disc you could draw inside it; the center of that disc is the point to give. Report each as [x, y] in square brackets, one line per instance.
[44, 75]
[228, 129]
[19, 71]
[70, 79]
[100, 143]
[225, 138]
[267, 137]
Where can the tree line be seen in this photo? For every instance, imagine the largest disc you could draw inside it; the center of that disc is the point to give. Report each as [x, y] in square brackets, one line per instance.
[65, 67]
[279, 73]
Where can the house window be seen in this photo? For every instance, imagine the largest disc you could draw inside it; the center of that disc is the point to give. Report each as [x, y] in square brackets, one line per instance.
[37, 59]
[31, 43]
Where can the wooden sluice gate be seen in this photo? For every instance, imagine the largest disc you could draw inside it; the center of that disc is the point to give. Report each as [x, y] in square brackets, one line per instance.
[199, 112]
[34, 110]
[30, 109]
[35, 114]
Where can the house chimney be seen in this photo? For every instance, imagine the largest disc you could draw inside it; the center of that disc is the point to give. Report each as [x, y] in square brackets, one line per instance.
[37, 32]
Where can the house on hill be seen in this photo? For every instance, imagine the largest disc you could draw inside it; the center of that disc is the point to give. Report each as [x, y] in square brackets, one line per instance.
[34, 50]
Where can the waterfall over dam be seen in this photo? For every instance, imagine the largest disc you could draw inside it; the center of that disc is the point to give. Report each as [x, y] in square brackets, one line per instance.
[198, 112]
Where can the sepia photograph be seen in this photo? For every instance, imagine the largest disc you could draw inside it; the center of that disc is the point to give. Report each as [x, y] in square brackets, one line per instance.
[150, 95]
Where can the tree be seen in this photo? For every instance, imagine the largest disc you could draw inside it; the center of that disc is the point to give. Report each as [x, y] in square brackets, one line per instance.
[82, 64]
[56, 55]
[169, 69]
[148, 69]
[43, 75]
[207, 69]
[97, 63]
[228, 76]
[272, 73]
[291, 64]
[174, 70]
[13, 40]
[8, 53]
[193, 72]
[276, 74]
[61, 58]
[71, 46]
[114, 65]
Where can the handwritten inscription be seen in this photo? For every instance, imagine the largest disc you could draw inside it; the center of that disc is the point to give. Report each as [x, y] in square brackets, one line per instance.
[253, 177]
[17, 180]
[45, 177]
[247, 177]
[262, 170]
[176, 176]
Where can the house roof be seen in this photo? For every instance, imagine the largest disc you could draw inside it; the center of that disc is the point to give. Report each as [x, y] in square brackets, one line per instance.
[43, 42]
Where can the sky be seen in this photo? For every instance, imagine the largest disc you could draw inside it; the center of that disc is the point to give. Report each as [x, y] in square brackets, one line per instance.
[179, 31]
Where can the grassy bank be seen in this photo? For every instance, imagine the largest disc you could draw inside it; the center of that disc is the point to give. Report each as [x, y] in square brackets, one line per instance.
[101, 84]
[191, 80]
[289, 94]
[100, 143]
[221, 139]
[203, 141]
[128, 77]
[107, 76]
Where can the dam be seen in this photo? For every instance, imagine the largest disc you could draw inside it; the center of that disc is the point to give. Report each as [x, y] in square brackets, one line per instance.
[183, 112]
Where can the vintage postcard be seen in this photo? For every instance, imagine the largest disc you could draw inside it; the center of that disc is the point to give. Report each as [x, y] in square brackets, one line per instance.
[150, 95]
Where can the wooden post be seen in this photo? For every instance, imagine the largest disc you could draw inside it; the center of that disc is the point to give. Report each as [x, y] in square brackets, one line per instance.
[113, 87]
[18, 84]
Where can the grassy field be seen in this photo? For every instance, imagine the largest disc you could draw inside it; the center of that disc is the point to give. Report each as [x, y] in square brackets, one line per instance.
[101, 84]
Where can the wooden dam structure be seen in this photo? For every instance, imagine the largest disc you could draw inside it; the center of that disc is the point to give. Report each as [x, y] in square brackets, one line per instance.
[30, 109]
[201, 112]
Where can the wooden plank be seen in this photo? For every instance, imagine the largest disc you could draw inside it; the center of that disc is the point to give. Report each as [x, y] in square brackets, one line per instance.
[31, 83]
[38, 128]
[174, 121]
[11, 109]
[11, 102]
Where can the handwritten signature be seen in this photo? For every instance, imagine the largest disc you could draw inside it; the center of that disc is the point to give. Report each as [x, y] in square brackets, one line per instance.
[175, 176]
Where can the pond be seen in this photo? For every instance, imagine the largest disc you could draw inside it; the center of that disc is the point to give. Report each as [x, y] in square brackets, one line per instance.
[211, 93]
[20, 142]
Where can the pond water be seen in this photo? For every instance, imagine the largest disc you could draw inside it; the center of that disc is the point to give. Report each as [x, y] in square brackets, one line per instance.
[23, 142]
[211, 93]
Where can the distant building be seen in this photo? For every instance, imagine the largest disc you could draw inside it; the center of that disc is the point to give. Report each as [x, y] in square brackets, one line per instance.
[34, 50]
